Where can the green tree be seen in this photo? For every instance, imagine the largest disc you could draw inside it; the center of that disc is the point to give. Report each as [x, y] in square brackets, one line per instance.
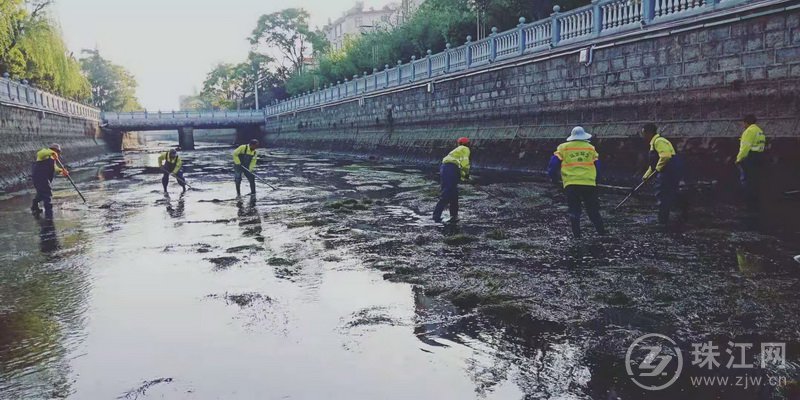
[435, 23]
[288, 33]
[31, 48]
[230, 86]
[113, 87]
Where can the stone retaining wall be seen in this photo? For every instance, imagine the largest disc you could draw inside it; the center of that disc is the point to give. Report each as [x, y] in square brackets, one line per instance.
[695, 81]
[24, 131]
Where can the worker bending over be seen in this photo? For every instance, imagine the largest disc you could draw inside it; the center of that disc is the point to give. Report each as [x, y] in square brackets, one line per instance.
[244, 161]
[750, 160]
[44, 169]
[454, 169]
[577, 160]
[668, 168]
[171, 163]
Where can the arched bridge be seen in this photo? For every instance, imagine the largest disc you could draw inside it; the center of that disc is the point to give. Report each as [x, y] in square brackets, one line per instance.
[183, 121]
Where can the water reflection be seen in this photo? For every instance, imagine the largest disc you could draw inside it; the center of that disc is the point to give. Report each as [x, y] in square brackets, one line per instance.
[505, 350]
[249, 218]
[43, 291]
[48, 239]
[178, 210]
[177, 330]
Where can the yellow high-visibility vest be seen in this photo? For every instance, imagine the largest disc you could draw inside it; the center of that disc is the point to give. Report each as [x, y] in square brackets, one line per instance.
[753, 139]
[244, 155]
[459, 156]
[577, 163]
[164, 159]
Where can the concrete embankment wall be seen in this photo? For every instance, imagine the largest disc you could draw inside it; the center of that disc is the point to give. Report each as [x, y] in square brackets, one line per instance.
[695, 80]
[24, 131]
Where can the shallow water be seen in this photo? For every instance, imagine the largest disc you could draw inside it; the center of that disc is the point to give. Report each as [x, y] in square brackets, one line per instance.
[336, 285]
[122, 297]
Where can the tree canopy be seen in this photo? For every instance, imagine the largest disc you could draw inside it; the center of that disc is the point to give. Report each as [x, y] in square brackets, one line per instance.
[435, 23]
[287, 32]
[113, 88]
[31, 48]
[287, 36]
[231, 86]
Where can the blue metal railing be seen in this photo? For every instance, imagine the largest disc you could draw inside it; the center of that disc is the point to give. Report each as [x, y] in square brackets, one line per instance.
[22, 94]
[601, 18]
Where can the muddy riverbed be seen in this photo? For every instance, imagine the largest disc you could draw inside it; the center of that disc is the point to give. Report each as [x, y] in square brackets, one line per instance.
[337, 285]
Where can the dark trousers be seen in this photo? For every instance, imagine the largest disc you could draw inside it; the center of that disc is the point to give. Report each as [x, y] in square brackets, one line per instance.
[667, 185]
[749, 174]
[165, 179]
[450, 176]
[44, 194]
[668, 190]
[237, 178]
[586, 195]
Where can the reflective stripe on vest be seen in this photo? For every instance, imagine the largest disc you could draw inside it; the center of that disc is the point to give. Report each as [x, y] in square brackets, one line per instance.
[760, 140]
[577, 163]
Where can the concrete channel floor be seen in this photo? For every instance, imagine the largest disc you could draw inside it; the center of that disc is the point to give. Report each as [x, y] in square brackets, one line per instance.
[338, 286]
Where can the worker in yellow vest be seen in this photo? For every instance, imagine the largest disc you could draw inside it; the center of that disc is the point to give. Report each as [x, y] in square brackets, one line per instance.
[44, 170]
[668, 167]
[171, 163]
[576, 162]
[454, 169]
[244, 162]
[750, 160]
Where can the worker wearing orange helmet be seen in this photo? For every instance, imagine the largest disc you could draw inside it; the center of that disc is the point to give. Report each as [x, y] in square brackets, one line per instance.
[454, 169]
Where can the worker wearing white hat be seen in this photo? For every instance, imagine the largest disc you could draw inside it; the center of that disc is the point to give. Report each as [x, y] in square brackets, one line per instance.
[575, 161]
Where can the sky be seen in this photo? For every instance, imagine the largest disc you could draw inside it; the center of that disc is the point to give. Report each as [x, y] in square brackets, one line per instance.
[170, 45]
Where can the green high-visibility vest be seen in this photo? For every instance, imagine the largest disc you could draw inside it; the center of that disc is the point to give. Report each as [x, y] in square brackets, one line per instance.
[577, 163]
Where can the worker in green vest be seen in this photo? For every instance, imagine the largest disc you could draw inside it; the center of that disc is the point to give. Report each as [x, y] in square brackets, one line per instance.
[244, 162]
[668, 167]
[576, 162]
[453, 170]
[44, 170]
[750, 160]
[171, 163]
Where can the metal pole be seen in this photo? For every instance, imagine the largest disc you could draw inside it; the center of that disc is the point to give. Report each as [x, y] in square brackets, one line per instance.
[256, 92]
[636, 189]
[180, 180]
[246, 171]
[71, 181]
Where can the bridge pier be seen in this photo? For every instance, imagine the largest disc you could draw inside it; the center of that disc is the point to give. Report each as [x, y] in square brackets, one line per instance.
[186, 138]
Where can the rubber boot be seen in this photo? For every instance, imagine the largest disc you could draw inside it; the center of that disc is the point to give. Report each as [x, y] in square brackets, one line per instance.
[35, 210]
[238, 189]
[598, 225]
[253, 187]
[576, 226]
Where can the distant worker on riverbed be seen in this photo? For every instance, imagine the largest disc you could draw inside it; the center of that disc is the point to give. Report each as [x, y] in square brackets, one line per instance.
[244, 162]
[750, 161]
[171, 163]
[44, 169]
[577, 161]
[454, 169]
[668, 167]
